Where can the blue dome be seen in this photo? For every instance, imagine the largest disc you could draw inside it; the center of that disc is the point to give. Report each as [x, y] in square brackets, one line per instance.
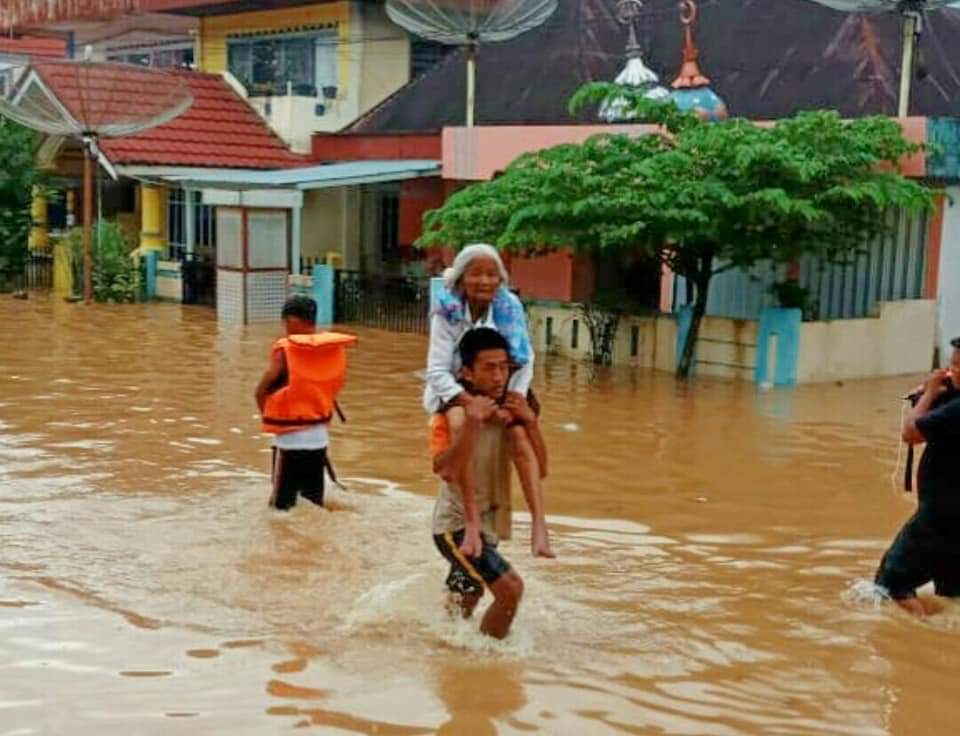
[702, 101]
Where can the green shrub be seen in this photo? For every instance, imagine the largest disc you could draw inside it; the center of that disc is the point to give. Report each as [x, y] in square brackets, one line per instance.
[116, 272]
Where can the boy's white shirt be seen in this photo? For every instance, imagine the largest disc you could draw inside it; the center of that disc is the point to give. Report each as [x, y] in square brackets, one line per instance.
[314, 438]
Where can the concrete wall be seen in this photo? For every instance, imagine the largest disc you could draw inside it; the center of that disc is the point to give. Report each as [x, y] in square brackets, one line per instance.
[418, 196]
[654, 337]
[727, 348]
[169, 281]
[385, 54]
[558, 276]
[333, 223]
[948, 279]
[323, 223]
[898, 342]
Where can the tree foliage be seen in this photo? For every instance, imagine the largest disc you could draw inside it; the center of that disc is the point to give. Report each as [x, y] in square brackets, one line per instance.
[18, 176]
[699, 197]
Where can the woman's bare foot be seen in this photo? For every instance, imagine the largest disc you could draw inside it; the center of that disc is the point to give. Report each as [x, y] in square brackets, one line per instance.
[540, 542]
[920, 607]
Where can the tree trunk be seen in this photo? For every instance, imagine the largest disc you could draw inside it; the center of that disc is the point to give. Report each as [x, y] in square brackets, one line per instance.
[699, 310]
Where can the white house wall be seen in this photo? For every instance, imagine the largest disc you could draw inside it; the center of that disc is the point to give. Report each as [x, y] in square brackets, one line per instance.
[948, 312]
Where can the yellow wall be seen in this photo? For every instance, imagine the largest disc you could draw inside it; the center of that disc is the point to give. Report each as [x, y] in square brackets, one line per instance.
[385, 57]
[323, 223]
[214, 31]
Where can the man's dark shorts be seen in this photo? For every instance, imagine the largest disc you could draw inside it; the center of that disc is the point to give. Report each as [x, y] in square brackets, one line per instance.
[297, 472]
[469, 574]
[921, 552]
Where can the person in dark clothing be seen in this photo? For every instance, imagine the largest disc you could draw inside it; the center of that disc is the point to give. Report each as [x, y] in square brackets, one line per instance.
[928, 546]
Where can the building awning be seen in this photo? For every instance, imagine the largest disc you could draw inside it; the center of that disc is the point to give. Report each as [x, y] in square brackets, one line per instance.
[324, 176]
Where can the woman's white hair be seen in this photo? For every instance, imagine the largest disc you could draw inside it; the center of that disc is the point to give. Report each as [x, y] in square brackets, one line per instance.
[452, 275]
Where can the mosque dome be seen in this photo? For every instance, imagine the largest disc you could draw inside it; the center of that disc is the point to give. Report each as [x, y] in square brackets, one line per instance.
[636, 74]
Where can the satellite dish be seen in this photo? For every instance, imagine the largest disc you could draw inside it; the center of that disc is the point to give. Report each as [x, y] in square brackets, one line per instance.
[912, 12]
[86, 101]
[469, 23]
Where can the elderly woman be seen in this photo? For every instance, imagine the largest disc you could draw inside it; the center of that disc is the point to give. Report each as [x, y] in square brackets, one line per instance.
[476, 295]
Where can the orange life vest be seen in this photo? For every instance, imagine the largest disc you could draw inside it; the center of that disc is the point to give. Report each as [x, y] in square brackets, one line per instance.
[316, 365]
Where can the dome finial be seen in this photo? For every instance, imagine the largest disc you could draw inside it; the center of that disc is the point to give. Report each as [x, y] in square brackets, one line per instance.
[635, 74]
[691, 88]
[690, 75]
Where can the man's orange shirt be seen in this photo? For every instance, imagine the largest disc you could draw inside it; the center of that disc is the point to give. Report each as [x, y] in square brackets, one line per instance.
[439, 434]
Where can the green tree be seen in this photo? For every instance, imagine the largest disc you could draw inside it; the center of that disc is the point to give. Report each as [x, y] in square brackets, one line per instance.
[18, 176]
[700, 197]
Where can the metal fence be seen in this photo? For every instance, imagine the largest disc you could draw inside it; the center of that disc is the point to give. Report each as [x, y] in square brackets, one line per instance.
[36, 274]
[890, 268]
[199, 278]
[395, 303]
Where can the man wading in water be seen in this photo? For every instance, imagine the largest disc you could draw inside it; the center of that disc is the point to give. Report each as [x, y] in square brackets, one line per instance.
[467, 520]
[928, 546]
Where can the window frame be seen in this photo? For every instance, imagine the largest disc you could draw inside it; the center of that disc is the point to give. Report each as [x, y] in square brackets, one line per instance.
[312, 44]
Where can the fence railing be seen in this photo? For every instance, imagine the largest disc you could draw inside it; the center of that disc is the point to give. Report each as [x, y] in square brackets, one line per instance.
[35, 274]
[199, 278]
[395, 303]
[890, 268]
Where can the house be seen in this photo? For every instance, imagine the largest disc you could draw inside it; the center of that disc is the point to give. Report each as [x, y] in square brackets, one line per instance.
[218, 131]
[304, 66]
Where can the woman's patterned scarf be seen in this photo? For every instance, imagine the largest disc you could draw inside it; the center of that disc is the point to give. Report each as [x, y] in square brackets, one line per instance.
[508, 316]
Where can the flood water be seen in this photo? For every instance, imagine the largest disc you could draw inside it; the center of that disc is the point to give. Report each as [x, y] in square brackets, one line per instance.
[713, 542]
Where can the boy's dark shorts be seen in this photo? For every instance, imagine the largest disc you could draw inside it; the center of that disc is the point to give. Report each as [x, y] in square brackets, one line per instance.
[920, 553]
[468, 575]
[297, 472]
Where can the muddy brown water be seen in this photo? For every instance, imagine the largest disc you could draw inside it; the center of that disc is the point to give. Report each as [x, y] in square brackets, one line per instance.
[714, 542]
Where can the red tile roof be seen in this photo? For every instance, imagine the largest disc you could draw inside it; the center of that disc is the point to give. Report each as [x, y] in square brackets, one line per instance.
[219, 130]
[33, 46]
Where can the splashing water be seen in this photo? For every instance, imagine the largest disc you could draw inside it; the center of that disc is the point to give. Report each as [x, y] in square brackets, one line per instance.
[866, 594]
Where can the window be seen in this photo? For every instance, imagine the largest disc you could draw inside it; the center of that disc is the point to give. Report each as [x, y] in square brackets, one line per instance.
[4, 82]
[302, 64]
[202, 240]
[388, 226]
[167, 56]
[177, 224]
[424, 55]
[204, 225]
[267, 239]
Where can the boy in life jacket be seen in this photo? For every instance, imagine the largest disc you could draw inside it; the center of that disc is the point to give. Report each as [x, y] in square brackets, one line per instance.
[296, 397]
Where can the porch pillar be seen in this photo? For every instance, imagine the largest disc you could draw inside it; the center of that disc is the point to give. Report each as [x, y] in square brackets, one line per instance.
[151, 218]
[296, 240]
[323, 293]
[39, 236]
